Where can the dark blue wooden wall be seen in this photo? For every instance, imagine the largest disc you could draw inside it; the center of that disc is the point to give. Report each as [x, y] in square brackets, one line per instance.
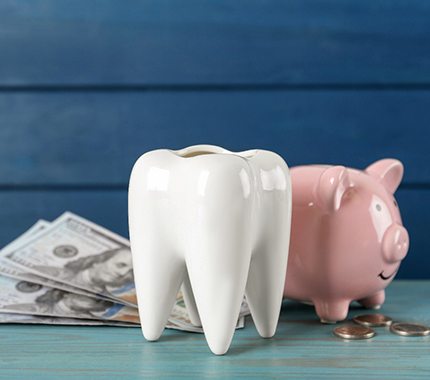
[87, 86]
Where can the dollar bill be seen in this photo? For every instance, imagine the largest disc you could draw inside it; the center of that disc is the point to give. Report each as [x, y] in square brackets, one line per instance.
[79, 253]
[77, 256]
[22, 297]
[26, 302]
[180, 320]
[43, 320]
[9, 269]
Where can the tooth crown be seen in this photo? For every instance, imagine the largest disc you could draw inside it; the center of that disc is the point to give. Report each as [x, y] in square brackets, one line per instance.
[216, 222]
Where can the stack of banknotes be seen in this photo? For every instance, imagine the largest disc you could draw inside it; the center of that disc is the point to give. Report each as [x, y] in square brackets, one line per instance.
[74, 272]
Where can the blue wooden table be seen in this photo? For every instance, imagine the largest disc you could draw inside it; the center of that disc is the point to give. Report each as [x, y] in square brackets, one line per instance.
[302, 347]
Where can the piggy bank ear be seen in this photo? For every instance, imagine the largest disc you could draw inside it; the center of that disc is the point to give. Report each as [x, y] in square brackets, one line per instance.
[332, 186]
[388, 171]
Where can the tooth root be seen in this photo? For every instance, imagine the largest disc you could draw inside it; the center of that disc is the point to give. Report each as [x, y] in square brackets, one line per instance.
[158, 277]
[190, 301]
[158, 269]
[218, 278]
[264, 289]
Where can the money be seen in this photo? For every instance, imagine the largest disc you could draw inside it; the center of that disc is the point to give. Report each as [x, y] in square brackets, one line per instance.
[79, 253]
[22, 297]
[180, 320]
[74, 270]
[25, 302]
[7, 268]
[373, 320]
[354, 332]
[410, 329]
[178, 325]
[10, 270]
[39, 320]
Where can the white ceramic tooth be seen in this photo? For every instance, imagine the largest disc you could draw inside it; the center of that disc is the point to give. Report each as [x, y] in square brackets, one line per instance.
[158, 269]
[269, 261]
[218, 255]
[227, 217]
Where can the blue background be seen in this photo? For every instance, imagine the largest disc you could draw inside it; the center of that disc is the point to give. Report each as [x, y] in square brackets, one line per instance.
[87, 86]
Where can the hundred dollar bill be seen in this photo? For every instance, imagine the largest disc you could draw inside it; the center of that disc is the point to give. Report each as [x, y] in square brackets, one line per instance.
[9, 269]
[180, 320]
[177, 324]
[39, 320]
[79, 253]
[34, 301]
[74, 252]
[22, 297]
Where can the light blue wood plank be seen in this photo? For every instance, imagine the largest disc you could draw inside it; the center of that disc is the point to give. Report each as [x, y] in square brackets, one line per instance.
[94, 138]
[302, 348]
[222, 42]
[109, 208]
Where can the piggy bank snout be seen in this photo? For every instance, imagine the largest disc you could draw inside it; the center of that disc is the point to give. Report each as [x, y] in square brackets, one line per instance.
[395, 243]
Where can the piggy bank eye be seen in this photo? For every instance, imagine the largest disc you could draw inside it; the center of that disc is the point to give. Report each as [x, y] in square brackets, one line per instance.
[395, 203]
[378, 207]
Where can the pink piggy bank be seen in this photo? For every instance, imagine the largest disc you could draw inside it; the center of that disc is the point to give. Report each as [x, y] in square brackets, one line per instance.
[347, 237]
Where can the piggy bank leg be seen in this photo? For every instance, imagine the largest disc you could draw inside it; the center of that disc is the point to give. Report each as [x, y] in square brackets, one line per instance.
[332, 311]
[374, 301]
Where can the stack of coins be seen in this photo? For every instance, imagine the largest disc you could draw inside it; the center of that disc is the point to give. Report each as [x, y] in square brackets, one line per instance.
[364, 323]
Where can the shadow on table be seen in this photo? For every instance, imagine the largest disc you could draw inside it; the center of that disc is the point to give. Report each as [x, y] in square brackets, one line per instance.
[297, 322]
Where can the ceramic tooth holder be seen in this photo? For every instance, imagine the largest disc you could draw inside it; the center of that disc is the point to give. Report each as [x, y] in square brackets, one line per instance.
[217, 222]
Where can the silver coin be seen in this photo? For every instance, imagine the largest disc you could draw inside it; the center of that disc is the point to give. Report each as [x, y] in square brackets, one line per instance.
[373, 320]
[354, 332]
[410, 329]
